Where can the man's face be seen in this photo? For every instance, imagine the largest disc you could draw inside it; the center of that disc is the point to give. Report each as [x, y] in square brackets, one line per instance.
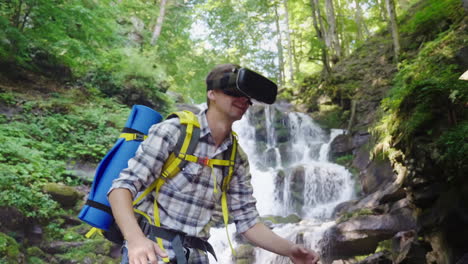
[233, 107]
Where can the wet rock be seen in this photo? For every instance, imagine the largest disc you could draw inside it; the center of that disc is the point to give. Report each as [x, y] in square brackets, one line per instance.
[279, 185]
[342, 145]
[270, 158]
[360, 235]
[360, 138]
[296, 187]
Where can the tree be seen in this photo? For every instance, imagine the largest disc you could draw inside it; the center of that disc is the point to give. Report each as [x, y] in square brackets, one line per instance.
[279, 46]
[333, 41]
[393, 26]
[359, 22]
[319, 29]
[159, 22]
[289, 41]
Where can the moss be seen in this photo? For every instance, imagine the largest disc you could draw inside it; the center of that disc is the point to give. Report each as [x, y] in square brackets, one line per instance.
[292, 218]
[384, 245]
[331, 116]
[349, 215]
[9, 249]
[344, 160]
[93, 251]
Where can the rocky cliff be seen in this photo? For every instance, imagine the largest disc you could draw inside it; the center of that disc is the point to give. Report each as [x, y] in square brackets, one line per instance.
[409, 156]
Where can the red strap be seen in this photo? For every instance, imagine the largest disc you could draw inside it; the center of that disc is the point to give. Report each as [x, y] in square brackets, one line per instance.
[203, 161]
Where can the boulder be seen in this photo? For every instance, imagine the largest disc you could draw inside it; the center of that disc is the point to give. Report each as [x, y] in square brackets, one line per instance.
[376, 173]
[11, 219]
[340, 146]
[296, 187]
[360, 235]
[65, 195]
[279, 185]
[389, 193]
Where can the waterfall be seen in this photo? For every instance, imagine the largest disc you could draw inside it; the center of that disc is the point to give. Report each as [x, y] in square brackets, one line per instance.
[291, 174]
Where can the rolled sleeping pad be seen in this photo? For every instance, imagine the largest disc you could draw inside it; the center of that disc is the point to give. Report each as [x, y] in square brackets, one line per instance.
[97, 212]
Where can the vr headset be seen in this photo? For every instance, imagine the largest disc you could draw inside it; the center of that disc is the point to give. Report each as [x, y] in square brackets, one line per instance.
[246, 83]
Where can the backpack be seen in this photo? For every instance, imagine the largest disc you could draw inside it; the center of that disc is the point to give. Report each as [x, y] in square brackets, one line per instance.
[97, 211]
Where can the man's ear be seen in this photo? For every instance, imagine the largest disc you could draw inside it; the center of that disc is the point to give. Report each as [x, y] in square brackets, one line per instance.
[211, 94]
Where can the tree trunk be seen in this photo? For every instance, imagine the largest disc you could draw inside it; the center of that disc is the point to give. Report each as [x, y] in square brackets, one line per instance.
[332, 32]
[17, 15]
[318, 25]
[358, 19]
[393, 26]
[279, 45]
[159, 22]
[288, 37]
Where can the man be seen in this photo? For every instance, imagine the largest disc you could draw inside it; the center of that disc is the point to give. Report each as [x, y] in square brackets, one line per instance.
[189, 203]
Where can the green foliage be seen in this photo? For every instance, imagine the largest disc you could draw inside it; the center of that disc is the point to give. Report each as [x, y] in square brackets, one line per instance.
[344, 160]
[424, 90]
[9, 250]
[453, 150]
[38, 145]
[432, 14]
[331, 116]
[32, 25]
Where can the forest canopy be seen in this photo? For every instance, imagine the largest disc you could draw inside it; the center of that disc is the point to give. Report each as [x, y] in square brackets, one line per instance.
[152, 46]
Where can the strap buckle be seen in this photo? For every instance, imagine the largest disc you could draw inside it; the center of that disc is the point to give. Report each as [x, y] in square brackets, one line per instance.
[139, 137]
[203, 161]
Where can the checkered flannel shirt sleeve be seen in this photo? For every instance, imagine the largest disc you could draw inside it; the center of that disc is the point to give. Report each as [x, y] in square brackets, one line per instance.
[241, 202]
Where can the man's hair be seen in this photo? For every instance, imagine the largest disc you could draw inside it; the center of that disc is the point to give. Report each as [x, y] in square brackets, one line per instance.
[217, 73]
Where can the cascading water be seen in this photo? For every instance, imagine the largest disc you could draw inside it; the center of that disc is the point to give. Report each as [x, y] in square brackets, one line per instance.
[291, 174]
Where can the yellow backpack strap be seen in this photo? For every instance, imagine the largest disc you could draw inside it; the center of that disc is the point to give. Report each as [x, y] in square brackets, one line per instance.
[132, 134]
[188, 140]
[186, 144]
[229, 162]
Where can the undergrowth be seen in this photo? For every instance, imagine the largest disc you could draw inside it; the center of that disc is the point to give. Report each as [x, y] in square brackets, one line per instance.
[428, 100]
[44, 138]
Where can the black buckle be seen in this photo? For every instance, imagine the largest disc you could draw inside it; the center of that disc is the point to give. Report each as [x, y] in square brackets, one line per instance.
[139, 137]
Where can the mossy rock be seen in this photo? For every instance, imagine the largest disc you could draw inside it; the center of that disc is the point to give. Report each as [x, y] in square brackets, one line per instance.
[245, 254]
[85, 257]
[36, 252]
[94, 251]
[9, 250]
[290, 219]
[67, 196]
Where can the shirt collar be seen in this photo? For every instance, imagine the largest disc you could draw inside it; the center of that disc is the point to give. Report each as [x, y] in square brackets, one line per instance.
[205, 129]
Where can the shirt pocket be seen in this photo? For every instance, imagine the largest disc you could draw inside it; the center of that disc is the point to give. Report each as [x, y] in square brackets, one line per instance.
[187, 179]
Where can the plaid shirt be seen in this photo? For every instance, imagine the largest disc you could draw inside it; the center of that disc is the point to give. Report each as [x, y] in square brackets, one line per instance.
[187, 202]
